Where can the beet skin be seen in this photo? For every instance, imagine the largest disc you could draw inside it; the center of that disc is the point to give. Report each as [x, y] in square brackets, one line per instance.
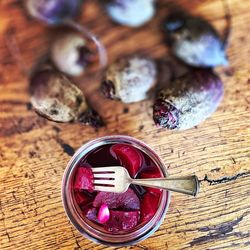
[188, 100]
[195, 41]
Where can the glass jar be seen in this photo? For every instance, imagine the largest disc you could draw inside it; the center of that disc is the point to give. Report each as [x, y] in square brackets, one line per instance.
[91, 230]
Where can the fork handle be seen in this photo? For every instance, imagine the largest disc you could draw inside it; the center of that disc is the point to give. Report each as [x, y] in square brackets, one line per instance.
[185, 185]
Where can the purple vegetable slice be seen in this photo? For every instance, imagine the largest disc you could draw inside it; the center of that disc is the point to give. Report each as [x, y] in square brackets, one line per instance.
[91, 214]
[149, 206]
[84, 179]
[122, 220]
[129, 157]
[125, 201]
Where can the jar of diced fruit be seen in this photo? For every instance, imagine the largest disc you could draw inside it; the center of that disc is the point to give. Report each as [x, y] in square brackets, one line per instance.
[115, 219]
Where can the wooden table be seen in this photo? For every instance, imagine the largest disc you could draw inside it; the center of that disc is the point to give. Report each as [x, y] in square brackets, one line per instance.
[35, 151]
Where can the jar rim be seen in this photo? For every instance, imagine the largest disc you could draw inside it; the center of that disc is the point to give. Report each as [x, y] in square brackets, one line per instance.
[84, 228]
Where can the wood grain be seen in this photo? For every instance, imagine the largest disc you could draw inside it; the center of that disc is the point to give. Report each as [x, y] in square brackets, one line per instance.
[34, 151]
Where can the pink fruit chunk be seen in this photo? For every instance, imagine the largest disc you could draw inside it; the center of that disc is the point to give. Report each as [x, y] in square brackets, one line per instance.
[103, 213]
[149, 206]
[129, 157]
[84, 179]
[122, 220]
[127, 200]
[80, 198]
[151, 173]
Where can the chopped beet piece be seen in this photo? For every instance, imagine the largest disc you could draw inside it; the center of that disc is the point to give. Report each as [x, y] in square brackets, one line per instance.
[81, 198]
[125, 201]
[149, 206]
[91, 214]
[129, 157]
[122, 220]
[151, 173]
[84, 179]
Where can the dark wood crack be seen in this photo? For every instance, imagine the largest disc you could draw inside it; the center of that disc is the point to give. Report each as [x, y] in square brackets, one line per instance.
[76, 240]
[225, 227]
[225, 178]
[220, 231]
[69, 150]
[247, 243]
[141, 247]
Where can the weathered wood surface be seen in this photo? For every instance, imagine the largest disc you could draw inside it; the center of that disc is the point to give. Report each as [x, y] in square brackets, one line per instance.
[34, 151]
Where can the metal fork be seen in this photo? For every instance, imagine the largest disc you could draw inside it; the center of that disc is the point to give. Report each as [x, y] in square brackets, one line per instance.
[117, 179]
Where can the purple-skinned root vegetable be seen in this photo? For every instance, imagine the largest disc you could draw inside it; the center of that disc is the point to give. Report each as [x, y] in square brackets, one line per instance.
[169, 68]
[133, 13]
[56, 98]
[70, 54]
[53, 11]
[188, 100]
[130, 79]
[62, 12]
[194, 40]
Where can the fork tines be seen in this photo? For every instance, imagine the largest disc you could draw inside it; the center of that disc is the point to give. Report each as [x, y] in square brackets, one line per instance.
[104, 178]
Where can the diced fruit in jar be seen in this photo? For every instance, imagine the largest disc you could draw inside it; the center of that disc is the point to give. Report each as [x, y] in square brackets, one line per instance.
[116, 212]
[91, 214]
[127, 200]
[122, 220]
[84, 179]
[149, 206]
[129, 157]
